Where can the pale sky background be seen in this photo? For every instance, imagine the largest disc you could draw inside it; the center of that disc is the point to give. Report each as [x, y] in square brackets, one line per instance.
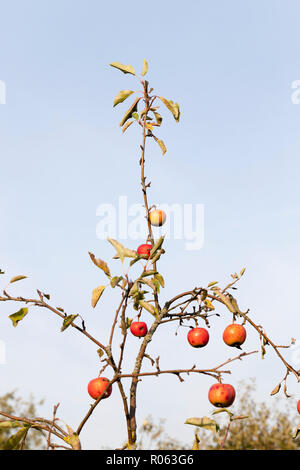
[230, 65]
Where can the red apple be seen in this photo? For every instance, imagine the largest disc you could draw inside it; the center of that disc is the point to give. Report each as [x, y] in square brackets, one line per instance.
[221, 395]
[298, 407]
[157, 218]
[97, 386]
[234, 335]
[144, 249]
[138, 328]
[198, 337]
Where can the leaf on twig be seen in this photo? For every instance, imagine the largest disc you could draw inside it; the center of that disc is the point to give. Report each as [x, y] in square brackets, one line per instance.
[129, 112]
[125, 127]
[173, 107]
[148, 307]
[205, 422]
[18, 316]
[276, 389]
[122, 252]
[122, 96]
[68, 321]
[17, 278]
[100, 264]
[14, 441]
[96, 295]
[123, 68]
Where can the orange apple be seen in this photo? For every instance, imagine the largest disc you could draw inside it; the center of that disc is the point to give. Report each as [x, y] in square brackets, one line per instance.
[234, 335]
[198, 337]
[97, 386]
[157, 218]
[298, 406]
[221, 395]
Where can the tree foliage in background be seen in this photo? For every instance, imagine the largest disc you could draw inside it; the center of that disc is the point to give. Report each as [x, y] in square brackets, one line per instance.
[266, 428]
[12, 404]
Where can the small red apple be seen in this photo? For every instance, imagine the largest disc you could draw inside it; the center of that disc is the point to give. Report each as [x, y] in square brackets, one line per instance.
[138, 328]
[97, 386]
[157, 218]
[198, 337]
[144, 249]
[298, 406]
[221, 395]
[234, 335]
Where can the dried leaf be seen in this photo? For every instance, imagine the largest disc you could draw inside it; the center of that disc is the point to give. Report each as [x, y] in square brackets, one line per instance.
[100, 264]
[276, 389]
[96, 295]
[17, 278]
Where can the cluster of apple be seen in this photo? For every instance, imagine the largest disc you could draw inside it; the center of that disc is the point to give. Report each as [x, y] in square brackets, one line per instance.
[234, 335]
[220, 395]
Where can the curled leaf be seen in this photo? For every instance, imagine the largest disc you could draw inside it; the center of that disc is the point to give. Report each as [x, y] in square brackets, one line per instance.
[276, 389]
[17, 278]
[173, 107]
[100, 264]
[96, 295]
[18, 316]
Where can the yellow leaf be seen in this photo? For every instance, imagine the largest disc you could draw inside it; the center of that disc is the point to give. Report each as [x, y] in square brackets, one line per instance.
[96, 295]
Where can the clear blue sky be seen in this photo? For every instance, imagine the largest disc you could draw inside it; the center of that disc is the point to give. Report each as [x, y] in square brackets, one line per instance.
[230, 65]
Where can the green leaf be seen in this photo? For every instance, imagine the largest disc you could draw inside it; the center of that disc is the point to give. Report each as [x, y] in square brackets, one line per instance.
[18, 316]
[8, 424]
[135, 116]
[122, 96]
[96, 295]
[204, 422]
[145, 67]
[123, 68]
[149, 273]
[14, 441]
[115, 280]
[17, 278]
[173, 107]
[158, 118]
[157, 245]
[160, 279]
[130, 111]
[100, 264]
[68, 321]
[148, 307]
[125, 127]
